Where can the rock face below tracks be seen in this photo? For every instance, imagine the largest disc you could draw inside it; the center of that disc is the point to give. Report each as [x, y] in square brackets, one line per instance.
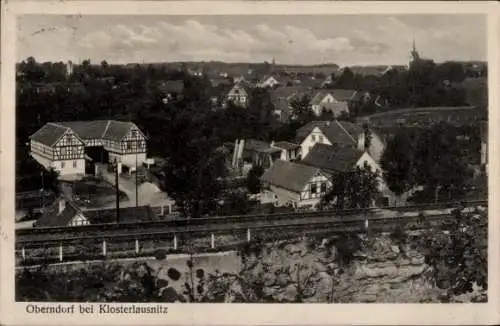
[378, 271]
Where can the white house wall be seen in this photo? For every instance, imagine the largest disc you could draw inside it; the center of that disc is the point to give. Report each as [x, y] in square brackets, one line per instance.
[316, 136]
[377, 146]
[43, 161]
[41, 150]
[128, 159]
[69, 167]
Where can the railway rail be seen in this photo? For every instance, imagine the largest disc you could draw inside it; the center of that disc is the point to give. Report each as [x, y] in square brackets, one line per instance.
[155, 230]
[284, 228]
[344, 214]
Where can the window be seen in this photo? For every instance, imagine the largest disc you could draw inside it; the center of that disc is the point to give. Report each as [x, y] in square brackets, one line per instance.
[323, 187]
[129, 146]
[314, 188]
[134, 133]
[320, 139]
[313, 137]
[74, 164]
[62, 165]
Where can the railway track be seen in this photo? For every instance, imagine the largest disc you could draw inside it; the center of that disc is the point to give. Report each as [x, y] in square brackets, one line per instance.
[343, 224]
[237, 218]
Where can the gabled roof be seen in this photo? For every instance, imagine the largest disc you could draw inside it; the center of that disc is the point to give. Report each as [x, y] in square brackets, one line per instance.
[318, 97]
[332, 158]
[288, 92]
[259, 146]
[336, 131]
[286, 145]
[52, 218]
[49, 134]
[343, 94]
[290, 176]
[239, 87]
[99, 129]
[118, 129]
[86, 129]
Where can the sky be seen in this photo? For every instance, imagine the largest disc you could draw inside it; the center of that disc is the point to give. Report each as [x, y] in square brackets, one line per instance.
[340, 39]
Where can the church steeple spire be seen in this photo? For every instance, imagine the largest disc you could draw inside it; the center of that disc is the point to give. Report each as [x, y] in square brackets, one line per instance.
[414, 53]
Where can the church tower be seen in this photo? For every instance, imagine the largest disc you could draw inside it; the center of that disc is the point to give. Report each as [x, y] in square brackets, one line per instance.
[414, 56]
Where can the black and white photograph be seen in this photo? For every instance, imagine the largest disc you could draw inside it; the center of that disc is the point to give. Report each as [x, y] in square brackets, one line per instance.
[249, 158]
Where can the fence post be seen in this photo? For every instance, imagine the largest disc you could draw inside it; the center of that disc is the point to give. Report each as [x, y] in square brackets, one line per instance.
[104, 248]
[212, 240]
[175, 241]
[60, 252]
[136, 246]
[249, 235]
[23, 253]
[162, 210]
[169, 209]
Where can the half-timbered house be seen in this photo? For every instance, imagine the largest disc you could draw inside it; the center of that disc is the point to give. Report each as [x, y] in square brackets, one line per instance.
[295, 185]
[64, 145]
[59, 148]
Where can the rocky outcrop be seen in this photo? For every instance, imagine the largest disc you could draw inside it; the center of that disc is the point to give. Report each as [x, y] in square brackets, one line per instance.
[309, 270]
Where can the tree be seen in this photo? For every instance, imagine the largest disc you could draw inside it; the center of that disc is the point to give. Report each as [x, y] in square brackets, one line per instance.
[301, 109]
[396, 163]
[356, 188]
[346, 80]
[438, 164]
[253, 179]
[368, 136]
[459, 256]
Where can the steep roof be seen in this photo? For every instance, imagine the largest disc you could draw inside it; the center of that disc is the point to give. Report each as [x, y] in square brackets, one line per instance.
[52, 218]
[332, 158]
[99, 129]
[290, 176]
[49, 134]
[287, 91]
[318, 97]
[87, 129]
[117, 130]
[259, 146]
[336, 131]
[343, 94]
[286, 145]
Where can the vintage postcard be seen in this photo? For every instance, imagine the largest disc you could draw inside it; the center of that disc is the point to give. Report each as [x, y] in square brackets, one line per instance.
[226, 163]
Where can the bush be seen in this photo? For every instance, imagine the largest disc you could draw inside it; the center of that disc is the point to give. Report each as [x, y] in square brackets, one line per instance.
[174, 274]
[160, 254]
[200, 273]
[398, 234]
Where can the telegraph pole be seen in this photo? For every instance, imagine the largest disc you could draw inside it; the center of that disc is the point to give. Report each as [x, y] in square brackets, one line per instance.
[117, 193]
[136, 178]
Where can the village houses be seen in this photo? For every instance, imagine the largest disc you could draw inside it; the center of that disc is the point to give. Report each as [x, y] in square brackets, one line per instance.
[339, 132]
[333, 159]
[295, 185]
[238, 95]
[68, 147]
[334, 100]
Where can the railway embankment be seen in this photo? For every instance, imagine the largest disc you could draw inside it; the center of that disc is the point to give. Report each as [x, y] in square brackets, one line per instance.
[307, 267]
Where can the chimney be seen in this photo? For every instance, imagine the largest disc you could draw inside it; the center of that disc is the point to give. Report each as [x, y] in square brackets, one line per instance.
[62, 206]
